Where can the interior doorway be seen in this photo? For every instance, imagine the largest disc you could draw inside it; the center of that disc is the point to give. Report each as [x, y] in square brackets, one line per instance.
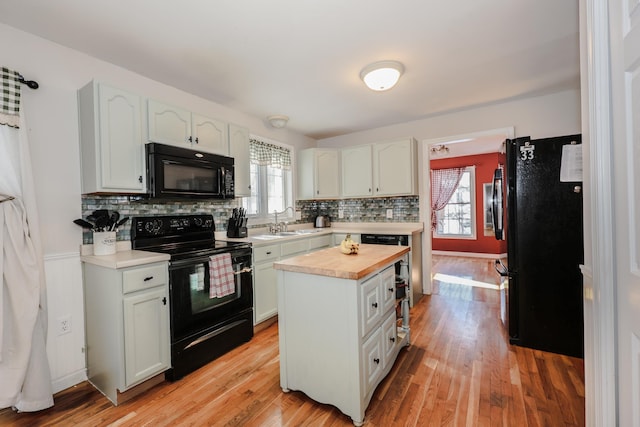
[452, 146]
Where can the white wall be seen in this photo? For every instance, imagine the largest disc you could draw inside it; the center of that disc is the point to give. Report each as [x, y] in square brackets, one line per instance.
[51, 114]
[539, 117]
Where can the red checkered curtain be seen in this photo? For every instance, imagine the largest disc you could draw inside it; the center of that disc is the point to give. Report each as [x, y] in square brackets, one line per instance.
[443, 184]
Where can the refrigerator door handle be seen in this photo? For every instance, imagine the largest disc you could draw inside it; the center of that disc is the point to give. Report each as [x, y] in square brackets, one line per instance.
[501, 268]
[497, 207]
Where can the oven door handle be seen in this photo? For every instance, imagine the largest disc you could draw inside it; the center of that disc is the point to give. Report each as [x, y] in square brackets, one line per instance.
[244, 270]
[189, 261]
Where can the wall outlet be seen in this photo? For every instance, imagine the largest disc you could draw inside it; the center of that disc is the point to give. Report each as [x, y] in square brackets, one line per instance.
[298, 215]
[340, 213]
[64, 325]
[389, 213]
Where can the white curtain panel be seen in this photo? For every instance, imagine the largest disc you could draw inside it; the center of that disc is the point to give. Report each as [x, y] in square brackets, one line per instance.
[25, 379]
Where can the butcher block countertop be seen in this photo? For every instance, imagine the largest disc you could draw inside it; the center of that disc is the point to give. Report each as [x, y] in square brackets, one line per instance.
[333, 263]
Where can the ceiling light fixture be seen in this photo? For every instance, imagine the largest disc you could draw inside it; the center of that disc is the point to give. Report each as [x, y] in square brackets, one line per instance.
[278, 121]
[382, 75]
[439, 149]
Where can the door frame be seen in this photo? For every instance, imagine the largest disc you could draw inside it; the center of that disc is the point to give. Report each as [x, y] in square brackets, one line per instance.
[424, 173]
[600, 354]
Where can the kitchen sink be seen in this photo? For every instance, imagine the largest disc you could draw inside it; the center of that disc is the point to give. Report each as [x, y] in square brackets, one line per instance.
[267, 236]
[285, 234]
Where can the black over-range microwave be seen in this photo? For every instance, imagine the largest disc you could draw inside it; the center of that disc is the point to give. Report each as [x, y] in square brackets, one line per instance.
[175, 172]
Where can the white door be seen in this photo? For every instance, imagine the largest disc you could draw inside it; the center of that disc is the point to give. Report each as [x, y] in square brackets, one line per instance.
[624, 21]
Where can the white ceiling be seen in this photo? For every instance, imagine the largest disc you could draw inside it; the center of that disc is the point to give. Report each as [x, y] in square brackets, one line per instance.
[302, 58]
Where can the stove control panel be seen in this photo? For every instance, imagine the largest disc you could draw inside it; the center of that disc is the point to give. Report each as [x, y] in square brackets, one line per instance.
[168, 226]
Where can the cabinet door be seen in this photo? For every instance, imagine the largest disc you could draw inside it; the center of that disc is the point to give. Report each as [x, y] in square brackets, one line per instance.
[371, 308]
[121, 145]
[327, 173]
[356, 171]
[393, 168]
[389, 338]
[239, 150]
[146, 334]
[265, 288]
[209, 135]
[168, 124]
[388, 288]
[372, 360]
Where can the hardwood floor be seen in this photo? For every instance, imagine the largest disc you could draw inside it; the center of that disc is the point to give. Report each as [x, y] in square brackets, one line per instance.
[459, 371]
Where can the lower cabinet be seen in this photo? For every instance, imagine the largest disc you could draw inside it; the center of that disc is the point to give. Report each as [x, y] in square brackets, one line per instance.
[265, 282]
[265, 278]
[127, 326]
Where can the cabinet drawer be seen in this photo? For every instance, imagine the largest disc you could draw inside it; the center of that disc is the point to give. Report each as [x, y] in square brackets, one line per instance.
[320, 242]
[294, 247]
[144, 277]
[265, 253]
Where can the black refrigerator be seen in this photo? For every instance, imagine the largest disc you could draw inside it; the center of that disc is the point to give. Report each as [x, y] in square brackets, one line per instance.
[541, 218]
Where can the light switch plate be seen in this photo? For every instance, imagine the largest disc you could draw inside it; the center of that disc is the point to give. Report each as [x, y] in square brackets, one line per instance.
[389, 213]
[340, 213]
[298, 215]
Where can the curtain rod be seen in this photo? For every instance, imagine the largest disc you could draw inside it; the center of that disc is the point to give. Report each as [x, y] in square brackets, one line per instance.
[31, 83]
[6, 198]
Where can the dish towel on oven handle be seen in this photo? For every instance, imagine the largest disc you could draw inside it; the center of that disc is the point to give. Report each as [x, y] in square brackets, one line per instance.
[222, 280]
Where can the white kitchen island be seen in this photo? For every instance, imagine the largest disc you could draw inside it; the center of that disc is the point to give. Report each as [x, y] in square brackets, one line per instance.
[338, 329]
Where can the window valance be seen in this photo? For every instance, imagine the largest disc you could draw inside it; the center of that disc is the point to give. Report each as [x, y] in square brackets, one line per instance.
[264, 153]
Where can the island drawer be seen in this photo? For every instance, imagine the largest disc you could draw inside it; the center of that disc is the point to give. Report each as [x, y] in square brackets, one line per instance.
[265, 253]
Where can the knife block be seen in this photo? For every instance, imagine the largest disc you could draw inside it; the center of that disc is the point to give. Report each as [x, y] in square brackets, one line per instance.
[234, 230]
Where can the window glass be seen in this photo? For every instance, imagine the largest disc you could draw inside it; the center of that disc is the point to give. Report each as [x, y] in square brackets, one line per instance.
[457, 219]
[271, 182]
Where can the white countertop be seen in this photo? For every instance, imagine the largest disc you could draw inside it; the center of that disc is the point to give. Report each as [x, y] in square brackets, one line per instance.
[124, 257]
[336, 227]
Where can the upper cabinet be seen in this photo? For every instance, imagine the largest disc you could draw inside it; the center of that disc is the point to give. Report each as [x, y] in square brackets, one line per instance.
[357, 178]
[239, 150]
[168, 124]
[380, 169]
[111, 143]
[318, 173]
[394, 168]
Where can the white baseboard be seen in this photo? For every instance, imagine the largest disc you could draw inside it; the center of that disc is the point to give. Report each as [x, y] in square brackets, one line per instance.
[69, 380]
[469, 254]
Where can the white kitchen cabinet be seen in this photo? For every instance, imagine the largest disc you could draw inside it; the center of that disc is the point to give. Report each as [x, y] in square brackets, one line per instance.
[168, 124]
[265, 280]
[357, 171]
[239, 150]
[318, 173]
[127, 326]
[111, 143]
[394, 168]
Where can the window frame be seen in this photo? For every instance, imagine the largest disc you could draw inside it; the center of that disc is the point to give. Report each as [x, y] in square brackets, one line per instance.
[472, 202]
[262, 194]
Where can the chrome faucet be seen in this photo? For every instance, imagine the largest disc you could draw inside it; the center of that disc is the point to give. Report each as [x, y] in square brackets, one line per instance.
[276, 226]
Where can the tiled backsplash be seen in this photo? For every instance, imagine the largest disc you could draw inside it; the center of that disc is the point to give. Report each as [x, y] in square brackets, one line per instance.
[139, 206]
[405, 209]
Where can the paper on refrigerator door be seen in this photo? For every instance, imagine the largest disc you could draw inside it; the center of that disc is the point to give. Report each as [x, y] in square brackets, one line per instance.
[571, 163]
